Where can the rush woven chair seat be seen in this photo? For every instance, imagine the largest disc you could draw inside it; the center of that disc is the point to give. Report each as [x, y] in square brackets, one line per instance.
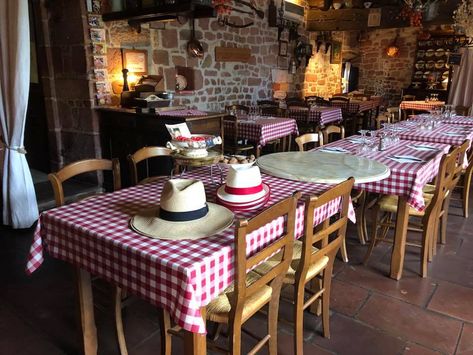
[250, 290]
[429, 217]
[313, 259]
[144, 155]
[87, 166]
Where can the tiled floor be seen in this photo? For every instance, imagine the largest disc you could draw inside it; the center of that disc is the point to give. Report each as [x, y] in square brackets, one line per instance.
[371, 314]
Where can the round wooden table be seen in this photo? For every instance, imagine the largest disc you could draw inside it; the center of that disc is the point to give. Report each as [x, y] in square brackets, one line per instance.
[322, 167]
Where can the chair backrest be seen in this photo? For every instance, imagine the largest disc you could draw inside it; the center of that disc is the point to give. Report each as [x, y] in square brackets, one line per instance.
[332, 129]
[309, 138]
[285, 209]
[339, 99]
[232, 134]
[267, 103]
[321, 232]
[295, 101]
[408, 97]
[81, 167]
[145, 153]
[393, 113]
[462, 110]
[317, 100]
[444, 182]
[274, 111]
[461, 157]
[237, 109]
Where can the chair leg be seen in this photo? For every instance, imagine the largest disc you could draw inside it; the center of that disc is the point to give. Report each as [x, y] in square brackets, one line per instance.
[361, 218]
[299, 318]
[343, 250]
[273, 310]
[466, 194]
[374, 233]
[443, 221]
[165, 325]
[117, 305]
[326, 302]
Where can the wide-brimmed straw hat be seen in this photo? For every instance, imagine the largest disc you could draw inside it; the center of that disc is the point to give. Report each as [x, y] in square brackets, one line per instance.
[243, 189]
[183, 213]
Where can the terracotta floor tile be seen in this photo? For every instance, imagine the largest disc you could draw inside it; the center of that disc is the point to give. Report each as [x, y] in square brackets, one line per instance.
[466, 341]
[346, 298]
[453, 269]
[415, 349]
[411, 323]
[453, 300]
[411, 288]
[348, 336]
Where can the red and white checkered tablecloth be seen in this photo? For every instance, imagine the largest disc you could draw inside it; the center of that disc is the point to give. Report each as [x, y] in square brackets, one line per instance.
[355, 107]
[459, 120]
[179, 113]
[180, 276]
[406, 179]
[318, 115]
[446, 133]
[420, 105]
[263, 129]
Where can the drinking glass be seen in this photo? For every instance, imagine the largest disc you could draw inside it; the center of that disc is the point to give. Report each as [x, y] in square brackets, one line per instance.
[363, 133]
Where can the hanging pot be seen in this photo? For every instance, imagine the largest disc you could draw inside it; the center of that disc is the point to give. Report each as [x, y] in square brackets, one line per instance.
[194, 47]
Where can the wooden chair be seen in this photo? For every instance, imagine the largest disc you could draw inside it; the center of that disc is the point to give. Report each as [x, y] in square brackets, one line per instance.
[295, 101]
[237, 109]
[267, 103]
[77, 168]
[250, 292]
[465, 184]
[350, 120]
[393, 113]
[408, 98]
[314, 265]
[462, 110]
[383, 117]
[233, 142]
[309, 138]
[429, 217]
[274, 111]
[316, 100]
[332, 129]
[144, 154]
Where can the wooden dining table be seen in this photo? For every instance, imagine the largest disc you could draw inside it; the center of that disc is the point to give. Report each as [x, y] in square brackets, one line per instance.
[262, 129]
[316, 115]
[181, 277]
[406, 181]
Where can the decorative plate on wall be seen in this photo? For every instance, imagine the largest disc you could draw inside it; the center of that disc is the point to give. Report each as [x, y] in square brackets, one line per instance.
[181, 82]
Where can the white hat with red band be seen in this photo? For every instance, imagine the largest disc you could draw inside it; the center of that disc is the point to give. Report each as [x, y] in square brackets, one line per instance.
[243, 189]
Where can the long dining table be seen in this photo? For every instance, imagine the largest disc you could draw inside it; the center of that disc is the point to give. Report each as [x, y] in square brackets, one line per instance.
[316, 115]
[406, 181]
[262, 129]
[181, 277]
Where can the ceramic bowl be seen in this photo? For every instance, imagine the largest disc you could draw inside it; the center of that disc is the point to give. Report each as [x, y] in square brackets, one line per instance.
[337, 5]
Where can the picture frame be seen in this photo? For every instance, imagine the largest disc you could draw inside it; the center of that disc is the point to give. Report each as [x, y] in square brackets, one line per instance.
[374, 18]
[336, 53]
[100, 61]
[136, 61]
[283, 48]
[97, 35]
[99, 48]
[284, 35]
[94, 20]
[101, 74]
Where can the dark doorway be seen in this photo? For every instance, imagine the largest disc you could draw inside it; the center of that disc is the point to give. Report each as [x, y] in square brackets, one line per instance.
[36, 128]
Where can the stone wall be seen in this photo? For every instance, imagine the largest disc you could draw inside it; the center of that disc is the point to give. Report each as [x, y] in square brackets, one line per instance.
[222, 83]
[380, 74]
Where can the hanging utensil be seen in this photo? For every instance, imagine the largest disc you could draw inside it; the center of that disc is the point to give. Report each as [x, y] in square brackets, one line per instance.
[194, 47]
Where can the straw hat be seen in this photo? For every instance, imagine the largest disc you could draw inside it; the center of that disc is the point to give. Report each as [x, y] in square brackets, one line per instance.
[243, 190]
[182, 214]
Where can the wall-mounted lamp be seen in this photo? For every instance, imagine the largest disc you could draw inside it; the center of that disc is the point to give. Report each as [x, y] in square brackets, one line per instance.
[393, 49]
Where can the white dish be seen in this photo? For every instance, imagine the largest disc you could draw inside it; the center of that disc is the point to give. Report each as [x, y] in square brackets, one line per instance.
[181, 82]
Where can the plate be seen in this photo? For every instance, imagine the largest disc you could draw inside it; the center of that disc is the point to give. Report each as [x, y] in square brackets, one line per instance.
[429, 53]
[430, 64]
[420, 54]
[181, 82]
[439, 52]
[420, 64]
[440, 63]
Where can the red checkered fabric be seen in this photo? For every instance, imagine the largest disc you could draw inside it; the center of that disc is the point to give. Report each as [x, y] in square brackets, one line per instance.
[420, 105]
[263, 129]
[446, 133]
[459, 120]
[406, 179]
[355, 107]
[180, 276]
[180, 113]
[318, 115]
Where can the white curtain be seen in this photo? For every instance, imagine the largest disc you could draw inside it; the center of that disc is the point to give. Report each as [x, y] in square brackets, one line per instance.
[461, 91]
[18, 196]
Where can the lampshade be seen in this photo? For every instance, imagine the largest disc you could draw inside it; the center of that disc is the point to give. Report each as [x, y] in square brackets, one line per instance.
[392, 51]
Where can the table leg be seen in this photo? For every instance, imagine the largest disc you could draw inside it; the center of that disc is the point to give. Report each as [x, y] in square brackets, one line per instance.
[289, 143]
[283, 149]
[400, 235]
[195, 343]
[87, 321]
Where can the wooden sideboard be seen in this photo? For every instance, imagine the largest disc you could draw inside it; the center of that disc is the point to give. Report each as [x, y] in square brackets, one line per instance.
[123, 131]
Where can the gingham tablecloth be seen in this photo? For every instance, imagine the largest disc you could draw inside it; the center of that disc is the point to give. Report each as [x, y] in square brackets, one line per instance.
[406, 179]
[263, 129]
[180, 276]
[420, 105]
[355, 107]
[318, 115]
[459, 120]
[446, 133]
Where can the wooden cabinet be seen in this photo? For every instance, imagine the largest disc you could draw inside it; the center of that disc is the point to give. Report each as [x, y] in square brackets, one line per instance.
[123, 131]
